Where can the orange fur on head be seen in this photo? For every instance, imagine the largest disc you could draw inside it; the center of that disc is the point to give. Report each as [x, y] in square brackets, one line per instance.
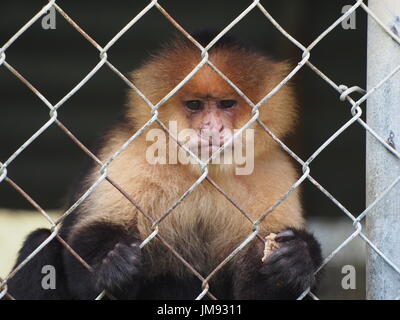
[254, 74]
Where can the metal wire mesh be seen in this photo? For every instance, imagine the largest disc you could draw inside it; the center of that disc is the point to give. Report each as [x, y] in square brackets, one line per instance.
[343, 93]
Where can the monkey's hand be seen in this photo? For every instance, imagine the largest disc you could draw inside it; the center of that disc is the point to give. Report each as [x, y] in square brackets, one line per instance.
[285, 274]
[120, 269]
[290, 269]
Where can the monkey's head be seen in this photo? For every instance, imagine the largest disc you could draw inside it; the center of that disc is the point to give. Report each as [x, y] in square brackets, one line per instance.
[206, 110]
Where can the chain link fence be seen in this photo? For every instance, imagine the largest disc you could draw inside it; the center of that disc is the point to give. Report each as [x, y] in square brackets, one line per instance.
[345, 92]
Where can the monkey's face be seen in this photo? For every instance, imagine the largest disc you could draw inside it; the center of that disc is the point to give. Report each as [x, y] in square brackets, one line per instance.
[206, 111]
[211, 122]
[208, 115]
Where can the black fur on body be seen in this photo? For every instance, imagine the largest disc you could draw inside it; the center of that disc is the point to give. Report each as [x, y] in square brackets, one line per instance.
[118, 267]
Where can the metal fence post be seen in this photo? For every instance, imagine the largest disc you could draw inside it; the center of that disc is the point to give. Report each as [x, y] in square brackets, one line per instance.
[383, 116]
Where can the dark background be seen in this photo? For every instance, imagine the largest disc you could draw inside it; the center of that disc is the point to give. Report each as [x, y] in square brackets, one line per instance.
[54, 61]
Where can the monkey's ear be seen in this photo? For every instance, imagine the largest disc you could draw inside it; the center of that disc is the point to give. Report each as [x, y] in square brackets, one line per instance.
[284, 67]
[278, 72]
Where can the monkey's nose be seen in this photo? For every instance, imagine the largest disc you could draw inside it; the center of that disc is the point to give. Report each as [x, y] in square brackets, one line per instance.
[217, 129]
[213, 126]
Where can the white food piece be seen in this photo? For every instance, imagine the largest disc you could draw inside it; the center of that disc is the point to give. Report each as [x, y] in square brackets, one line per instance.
[270, 245]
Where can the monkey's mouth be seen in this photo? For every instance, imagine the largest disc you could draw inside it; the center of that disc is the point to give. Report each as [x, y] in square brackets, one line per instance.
[205, 148]
[210, 147]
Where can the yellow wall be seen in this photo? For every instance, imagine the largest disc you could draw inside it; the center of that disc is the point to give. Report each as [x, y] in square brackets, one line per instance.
[14, 227]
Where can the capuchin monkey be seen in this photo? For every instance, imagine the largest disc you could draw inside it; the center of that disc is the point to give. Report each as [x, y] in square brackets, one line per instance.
[106, 230]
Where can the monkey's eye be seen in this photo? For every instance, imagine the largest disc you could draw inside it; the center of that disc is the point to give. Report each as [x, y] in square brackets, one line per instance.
[226, 104]
[194, 105]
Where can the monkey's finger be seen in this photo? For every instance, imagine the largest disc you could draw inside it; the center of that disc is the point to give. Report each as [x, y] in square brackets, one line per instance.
[135, 244]
[278, 254]
[284, 236]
